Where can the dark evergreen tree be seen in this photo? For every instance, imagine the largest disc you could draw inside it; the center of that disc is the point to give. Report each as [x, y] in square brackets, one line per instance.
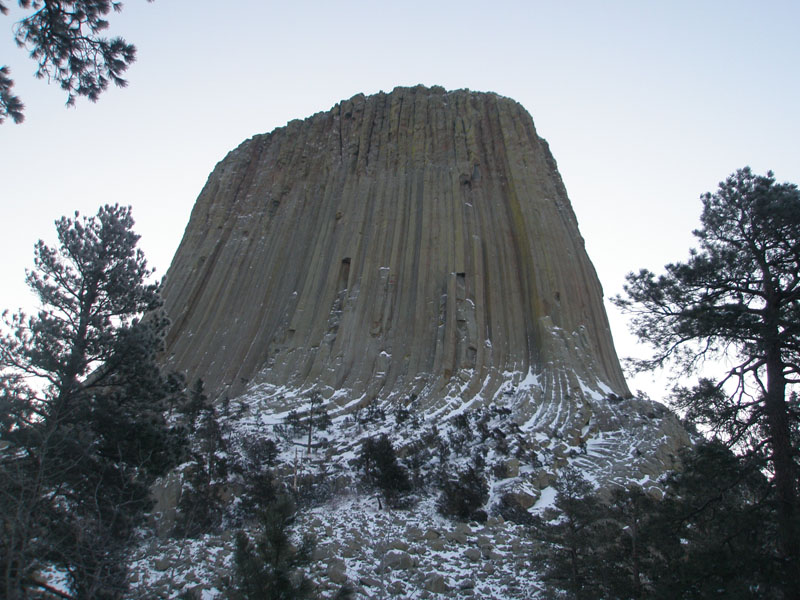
[575, 533]
[317, 417]
[200, 507]
[270, 567]
[10, 105]
[259, 485]
[630, 554]
[65, 37]
[738, 297]
[194, 404]
[711, 536]
[464, 496]
[378, 459]
[715, 532]
[81, 409]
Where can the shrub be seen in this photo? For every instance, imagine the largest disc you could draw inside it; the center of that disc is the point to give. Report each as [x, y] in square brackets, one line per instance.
[463, 498]
[378, 459]
[511, 510]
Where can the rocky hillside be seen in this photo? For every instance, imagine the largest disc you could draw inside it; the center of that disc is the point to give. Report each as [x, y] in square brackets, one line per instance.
[409, 550]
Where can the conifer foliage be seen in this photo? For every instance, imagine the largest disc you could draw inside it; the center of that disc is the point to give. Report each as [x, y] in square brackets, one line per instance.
[738, 297]
[65, 38]
[574, 536]
[200, 506]
[711, 536]
[464, 495]
[81, 409]
[382, 470]
[714, 534]
[269, 567]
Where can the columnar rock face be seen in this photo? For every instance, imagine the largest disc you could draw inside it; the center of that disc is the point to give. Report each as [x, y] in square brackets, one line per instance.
[411, 246]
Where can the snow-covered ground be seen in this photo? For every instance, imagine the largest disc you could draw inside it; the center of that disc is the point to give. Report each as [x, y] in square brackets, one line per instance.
[415, 552]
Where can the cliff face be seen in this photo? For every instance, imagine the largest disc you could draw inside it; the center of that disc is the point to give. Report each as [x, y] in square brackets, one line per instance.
[417, 244]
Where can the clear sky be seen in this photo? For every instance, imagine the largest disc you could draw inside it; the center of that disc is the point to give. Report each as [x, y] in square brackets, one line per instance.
[645, 104]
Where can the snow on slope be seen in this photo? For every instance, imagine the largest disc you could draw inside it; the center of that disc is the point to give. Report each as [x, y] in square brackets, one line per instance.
[415, 552]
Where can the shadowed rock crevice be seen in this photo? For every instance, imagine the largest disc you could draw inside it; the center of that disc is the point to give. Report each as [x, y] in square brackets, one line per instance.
[418, 243]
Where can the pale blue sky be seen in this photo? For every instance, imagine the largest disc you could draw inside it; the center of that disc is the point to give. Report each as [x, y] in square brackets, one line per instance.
[645, 105]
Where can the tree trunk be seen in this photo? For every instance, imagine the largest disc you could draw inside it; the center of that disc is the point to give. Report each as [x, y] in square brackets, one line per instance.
[785, 481]
[637, 580]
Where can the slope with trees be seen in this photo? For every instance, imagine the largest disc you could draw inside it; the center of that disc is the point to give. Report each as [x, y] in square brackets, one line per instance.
[711, 536]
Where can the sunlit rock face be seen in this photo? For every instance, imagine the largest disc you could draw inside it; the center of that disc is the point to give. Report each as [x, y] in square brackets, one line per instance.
[408, 247]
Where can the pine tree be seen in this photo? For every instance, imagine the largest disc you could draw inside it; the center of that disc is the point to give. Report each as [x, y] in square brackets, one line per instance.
[200, 508]
[738, 298]
[575, 533]
[464, 496]
[66, 39]
[270, 567]
[81, 411]
[381, 469]
[716, 530]
[713, 535]
[631, 552]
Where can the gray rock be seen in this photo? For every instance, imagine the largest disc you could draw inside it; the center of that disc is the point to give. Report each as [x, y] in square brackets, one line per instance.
[456, 536]
[369, 581]
[323, 551]
[396, 588]
[466, 584]
[512, 467]
[162, 563]
[473, 554]
[399, 545]
[436, 584]
[337, 570]
[396, 560]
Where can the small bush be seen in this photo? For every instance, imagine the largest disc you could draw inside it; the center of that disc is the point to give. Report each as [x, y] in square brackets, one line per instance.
[401, 415]
[199, 508]
[312, 489]
[500, 469]
[259, 455]
[417, 454]
[461, 421]
[260, 451]
[378, 459]
[463, 498]
[511, 510]
[372, 413]
[294, 424]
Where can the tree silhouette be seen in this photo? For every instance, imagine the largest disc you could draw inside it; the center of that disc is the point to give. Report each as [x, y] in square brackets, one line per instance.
[65, 38]
[737, 297]
[81, 410]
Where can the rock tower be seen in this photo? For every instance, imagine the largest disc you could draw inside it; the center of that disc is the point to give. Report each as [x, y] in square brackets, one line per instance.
[417, 244]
